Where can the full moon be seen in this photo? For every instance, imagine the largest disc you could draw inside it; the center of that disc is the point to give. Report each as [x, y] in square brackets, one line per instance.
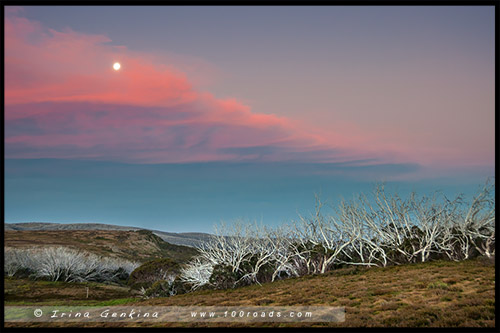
[116, 66]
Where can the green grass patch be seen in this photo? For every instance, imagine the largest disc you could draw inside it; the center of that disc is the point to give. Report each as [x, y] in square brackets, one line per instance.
[118, 301]
[438, 285]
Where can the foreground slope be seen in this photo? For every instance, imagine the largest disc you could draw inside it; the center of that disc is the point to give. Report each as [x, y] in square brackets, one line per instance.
[442, 294]
[429, 294]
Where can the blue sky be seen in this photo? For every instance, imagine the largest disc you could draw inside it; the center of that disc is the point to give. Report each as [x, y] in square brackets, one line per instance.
[192, 197]
[223, 113]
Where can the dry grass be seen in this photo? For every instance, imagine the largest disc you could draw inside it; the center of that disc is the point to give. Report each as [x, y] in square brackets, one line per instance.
[436, 294]
[26, 292]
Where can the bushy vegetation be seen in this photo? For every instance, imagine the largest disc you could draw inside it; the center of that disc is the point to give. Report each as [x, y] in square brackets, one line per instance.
[157, 278]
[383, 230]
[153, 271]
[164, 288]
[65, 264]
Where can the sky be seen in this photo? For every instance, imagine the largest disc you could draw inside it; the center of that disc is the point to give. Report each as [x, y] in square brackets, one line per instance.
[226, 113]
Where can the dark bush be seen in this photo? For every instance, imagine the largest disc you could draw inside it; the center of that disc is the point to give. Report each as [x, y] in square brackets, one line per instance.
[223, 277]
[24, 272]
[152, 271]
[159, 289]
[264, 274]
[165, 288]
[121, 274]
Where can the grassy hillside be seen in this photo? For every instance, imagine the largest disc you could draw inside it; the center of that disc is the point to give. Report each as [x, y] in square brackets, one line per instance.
[140, 245]
[186, 239]
[441, 293]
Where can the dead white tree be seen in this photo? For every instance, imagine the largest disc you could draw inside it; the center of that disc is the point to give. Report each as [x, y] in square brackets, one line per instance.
[18, 259]
[395, 225]
[453, 242]
[10, 266]
[196, 273]
[478, 223]
[327, 237]
[57, 263]
[434, 220]
[66, 264]
[365, 249]
[264, 245]
[285, 253]
[230, 246]
[385, 230]
[238, 245]
[301, 249]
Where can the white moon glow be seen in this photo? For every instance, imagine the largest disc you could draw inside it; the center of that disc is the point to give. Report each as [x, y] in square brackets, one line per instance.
[116, 66]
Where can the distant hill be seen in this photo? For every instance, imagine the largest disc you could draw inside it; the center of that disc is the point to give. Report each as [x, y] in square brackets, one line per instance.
[185, 239]
[135, 245]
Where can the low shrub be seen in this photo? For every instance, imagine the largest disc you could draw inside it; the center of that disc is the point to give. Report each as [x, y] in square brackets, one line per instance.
[165, 288]
[223, 277]
[153, 271]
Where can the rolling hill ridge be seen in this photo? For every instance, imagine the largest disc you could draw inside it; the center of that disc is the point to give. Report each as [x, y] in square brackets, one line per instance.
[134, 245]
[185, 239]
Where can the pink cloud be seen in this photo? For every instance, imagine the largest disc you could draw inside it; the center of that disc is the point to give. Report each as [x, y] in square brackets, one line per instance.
[68, 66]
[64, 100]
